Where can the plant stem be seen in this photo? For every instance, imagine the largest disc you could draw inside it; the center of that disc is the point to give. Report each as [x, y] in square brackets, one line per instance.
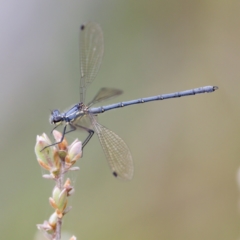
[59, 183]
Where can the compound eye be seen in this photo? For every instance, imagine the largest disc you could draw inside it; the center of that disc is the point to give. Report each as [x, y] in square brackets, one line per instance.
[55, 117]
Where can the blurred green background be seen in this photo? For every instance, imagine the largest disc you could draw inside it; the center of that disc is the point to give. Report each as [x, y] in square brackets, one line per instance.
[186, 151]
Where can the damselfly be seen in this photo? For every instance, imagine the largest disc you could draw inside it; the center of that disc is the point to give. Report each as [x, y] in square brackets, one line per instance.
[115, 149]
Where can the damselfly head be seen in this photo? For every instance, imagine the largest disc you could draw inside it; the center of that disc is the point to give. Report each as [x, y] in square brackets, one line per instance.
[56, 117]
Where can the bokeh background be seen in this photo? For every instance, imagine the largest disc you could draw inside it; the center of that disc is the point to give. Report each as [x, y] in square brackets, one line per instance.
[186, 151]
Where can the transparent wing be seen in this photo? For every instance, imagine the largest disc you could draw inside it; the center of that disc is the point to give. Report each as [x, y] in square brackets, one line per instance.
[105, 93]
[91, 53]
[117, 152]
[83, 121]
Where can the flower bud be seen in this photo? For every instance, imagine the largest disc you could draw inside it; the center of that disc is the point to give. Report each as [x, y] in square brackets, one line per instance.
[47, 157]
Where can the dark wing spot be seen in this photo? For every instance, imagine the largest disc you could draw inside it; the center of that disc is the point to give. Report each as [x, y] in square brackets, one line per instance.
[82, 27]
[115, 174]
